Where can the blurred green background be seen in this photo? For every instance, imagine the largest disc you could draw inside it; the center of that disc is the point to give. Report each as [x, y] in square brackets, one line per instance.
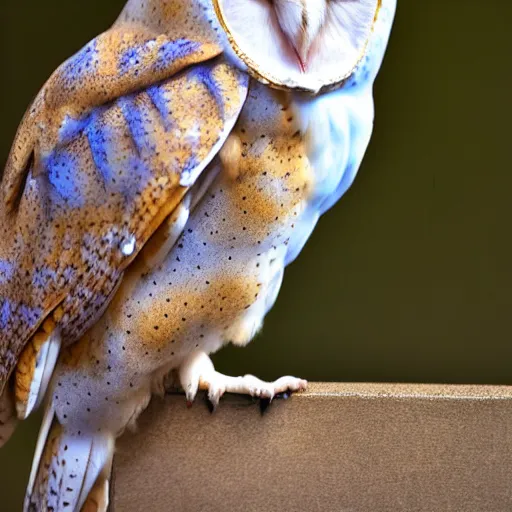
[408, 277]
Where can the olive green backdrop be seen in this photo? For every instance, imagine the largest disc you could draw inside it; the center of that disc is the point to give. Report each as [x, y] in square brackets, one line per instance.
[408, 278]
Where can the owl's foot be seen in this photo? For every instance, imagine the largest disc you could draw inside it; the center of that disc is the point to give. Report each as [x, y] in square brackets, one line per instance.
[198, 372]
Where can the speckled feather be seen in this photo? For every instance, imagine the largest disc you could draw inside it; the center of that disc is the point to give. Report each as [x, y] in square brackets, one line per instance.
[103, 155]
[224, 272]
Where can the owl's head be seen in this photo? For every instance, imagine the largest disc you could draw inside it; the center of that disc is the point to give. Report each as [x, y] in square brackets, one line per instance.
[308, 45]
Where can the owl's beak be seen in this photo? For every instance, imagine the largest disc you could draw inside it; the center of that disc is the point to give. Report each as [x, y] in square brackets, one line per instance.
[302, 59]
[300, 22]
[302, 52]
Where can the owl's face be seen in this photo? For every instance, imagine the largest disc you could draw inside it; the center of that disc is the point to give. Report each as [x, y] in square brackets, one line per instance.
[299, 44]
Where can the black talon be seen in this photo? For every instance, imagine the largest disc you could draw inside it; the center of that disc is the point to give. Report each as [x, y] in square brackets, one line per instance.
[265, 402]
[209, 404]
[264, 405]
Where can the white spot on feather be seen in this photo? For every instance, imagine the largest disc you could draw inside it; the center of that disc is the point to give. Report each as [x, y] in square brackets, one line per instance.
[128, 246]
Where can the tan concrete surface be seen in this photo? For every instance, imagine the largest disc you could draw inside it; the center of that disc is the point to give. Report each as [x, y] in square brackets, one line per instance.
[339, 447]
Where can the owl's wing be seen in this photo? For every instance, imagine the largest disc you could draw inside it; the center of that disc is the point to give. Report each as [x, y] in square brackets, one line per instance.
[123, 60]
[106, 153]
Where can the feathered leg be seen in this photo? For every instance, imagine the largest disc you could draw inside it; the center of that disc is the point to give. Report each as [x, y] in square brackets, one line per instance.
[66, 467]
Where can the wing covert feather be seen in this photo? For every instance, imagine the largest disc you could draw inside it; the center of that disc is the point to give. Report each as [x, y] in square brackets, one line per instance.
[151, 41]
[92, 201]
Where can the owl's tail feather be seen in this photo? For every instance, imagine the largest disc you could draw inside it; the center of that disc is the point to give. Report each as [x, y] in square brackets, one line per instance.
[70, 470]
[8, 418]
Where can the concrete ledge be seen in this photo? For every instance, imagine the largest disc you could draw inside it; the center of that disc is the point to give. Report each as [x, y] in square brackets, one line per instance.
[339, 447]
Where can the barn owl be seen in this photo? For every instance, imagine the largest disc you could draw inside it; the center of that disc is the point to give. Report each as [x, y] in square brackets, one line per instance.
[156, 190]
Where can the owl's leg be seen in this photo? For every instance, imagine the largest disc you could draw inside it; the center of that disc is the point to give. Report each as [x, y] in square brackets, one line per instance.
[198, 372]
